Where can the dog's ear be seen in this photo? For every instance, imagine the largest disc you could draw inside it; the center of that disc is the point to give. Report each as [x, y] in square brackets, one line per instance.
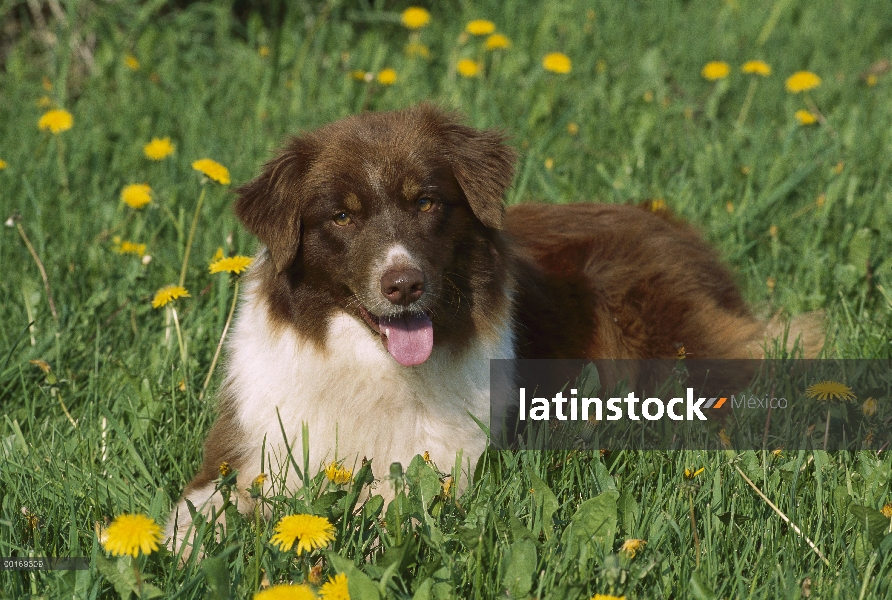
[269, 205]
[484, 167]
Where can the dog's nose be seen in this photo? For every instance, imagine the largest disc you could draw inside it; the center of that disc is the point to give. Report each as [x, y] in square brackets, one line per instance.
[402, 285]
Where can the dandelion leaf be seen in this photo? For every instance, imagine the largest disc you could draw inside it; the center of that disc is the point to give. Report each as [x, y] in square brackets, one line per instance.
[519, 567]
[593, 526]
[699, 588]
[360, 585]
[546, 505]
[872, 522]
[424, 484]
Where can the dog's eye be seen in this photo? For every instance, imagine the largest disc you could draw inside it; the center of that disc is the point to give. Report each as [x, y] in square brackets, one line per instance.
[342, 219]
[424, 204]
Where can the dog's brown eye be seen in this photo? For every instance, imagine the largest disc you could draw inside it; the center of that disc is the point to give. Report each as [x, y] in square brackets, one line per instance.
[424, 204]
[342, 219]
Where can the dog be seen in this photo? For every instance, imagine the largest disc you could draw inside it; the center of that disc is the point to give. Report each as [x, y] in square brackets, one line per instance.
[390, 273]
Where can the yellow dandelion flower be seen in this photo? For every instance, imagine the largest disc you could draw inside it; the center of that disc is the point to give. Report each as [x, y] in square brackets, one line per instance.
[338, 474]
[263, 51]
[480, 27]
[167, 294]
[715, 70]
[308, 531]
[770, 282]
[126, 247]
[3, 164]
[212, 169]
[729, 207]
[132, 534]
[870, 407]
[830, 390]
[772, 231]
[756, 67]
[802, 81]
[417, 49]
[805, 117]
[158, 148]
[225, 469]
[259, 480]
[415, 17]
[777, 452]
[468, 68]
[362, 76]
[557, 62]
[820, 200]
[286, 592]
[136, 195]
[335, 589]
[607, 597]
[218, 254]
[689, 474]
[387, 77]
[426, 456]
[497, 41]
[656, 205]
[887, 510]
[871, 80]
[548, 163]
[572, 128]
[131, 62]
[44, 102]
[231, 264]
[724, 440]
[632, 546]
[47, 84]
[56, 121]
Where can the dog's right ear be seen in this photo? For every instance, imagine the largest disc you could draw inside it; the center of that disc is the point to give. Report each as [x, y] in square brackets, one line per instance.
[269, 205]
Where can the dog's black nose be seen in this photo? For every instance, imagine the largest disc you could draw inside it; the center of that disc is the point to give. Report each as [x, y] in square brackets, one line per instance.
[402, 285]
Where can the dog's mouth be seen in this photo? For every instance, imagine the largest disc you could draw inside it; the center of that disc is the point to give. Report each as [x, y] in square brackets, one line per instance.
[409, 337]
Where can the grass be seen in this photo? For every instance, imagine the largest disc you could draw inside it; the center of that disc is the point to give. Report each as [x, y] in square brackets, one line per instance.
[802, 213]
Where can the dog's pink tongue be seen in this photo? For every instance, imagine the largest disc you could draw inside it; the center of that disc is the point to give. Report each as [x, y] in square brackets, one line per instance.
[410, 338]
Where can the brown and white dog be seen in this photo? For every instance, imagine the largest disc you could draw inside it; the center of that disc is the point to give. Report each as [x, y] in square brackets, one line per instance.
[390, 274]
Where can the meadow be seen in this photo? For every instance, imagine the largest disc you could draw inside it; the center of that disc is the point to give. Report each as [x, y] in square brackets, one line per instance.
[102, 395]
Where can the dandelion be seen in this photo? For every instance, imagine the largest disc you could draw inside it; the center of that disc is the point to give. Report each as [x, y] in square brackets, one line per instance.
[689, 474]
[607, 597]
[315, 574]
[770, 282]
[225, 469]
[802, 81]
[715, 70]
[887, 510]
[724, 440]
[548, 164]
[387, 77]
[417, 49]
[557, 62]
[158, 148]
[362, 76]
[632, 546]
[168, 294]
[777, 452]
[468, 68]
[426, 456]
[870, 406]
[871, 80]
[309, 531]
[232, 264]
[263, 51]
[335, 589]
[446, 486]
[337, 474]
[830, 390]
[497, 41]
[729, 207]
[3, 164]
[756, 67]
[132, 534]
[480, 27]
[136, 195]
[286, 592]
[126, 247]
[56, 121]
[805, 117]
[572, 128]
[44, 102]
[212, 169]
[131, 62]
[47, 84]
[415, 17]
[772, 231]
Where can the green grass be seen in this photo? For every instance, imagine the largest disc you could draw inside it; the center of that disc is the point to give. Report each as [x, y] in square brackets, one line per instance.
[649, 126]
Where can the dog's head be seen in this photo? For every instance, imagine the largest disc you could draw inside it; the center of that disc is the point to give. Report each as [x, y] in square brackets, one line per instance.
[391, 217]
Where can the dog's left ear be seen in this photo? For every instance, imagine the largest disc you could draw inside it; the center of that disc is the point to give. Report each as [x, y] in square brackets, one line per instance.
[484, 167]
